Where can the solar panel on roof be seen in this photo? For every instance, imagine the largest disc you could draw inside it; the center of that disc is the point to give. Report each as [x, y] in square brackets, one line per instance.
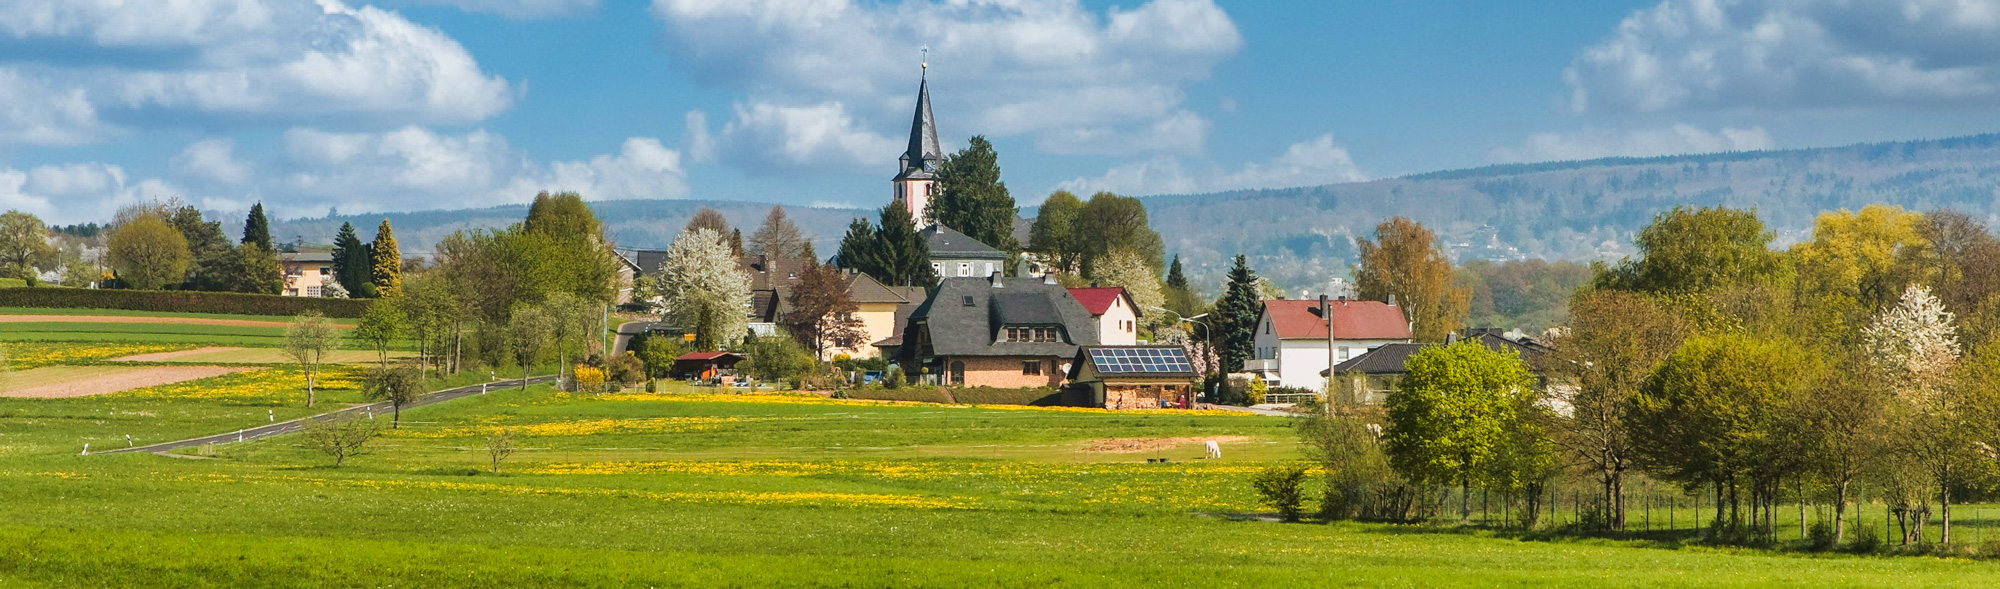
[1140, 360]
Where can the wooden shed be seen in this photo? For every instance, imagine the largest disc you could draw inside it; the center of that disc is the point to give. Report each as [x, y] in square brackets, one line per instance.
[704, 365]
[1135, 377]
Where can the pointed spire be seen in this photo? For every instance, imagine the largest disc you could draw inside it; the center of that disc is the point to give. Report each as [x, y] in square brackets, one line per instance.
[923, 153]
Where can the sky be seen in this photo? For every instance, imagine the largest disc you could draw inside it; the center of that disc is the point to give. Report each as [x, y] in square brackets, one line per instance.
[316, 106]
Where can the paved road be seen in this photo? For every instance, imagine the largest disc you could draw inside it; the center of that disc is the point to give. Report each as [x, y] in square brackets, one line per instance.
[287, 427]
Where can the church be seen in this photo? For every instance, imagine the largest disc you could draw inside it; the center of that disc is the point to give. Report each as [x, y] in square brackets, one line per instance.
[953, 254]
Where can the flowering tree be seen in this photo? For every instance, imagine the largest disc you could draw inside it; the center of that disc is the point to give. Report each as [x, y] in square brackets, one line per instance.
[1915, 345]
[701, 290]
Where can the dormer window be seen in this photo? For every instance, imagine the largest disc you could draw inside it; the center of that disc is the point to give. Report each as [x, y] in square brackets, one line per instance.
[968, 300]
[1033, 335]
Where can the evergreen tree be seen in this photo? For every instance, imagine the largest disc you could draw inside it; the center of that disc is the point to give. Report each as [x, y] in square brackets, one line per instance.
[210, 252]
[1175, 279]
[352, 264]
[904, 254]
[972, 199]
[257, 228]
[858, 250]
[1238, 312]
[386, 269]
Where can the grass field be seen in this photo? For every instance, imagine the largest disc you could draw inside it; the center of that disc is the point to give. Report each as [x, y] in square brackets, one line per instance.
[679, 489]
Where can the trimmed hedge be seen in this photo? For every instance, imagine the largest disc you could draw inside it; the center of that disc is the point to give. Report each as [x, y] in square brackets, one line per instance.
[972, 395]
[178, 301]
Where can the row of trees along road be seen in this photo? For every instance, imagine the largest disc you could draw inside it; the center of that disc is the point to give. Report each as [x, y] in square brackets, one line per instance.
[1862, 356]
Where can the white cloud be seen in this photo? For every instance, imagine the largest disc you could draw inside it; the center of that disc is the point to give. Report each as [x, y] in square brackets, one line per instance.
[1597, 143]
[1778, 54]
[800, 138]
[1074, 80]
[260, 59]
[415, 168]
[212, 159]
[76, 192]
[1320, 160]
[698, 143]
[515, 9]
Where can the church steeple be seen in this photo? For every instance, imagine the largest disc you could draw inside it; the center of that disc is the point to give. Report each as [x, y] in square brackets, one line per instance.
[916, 180]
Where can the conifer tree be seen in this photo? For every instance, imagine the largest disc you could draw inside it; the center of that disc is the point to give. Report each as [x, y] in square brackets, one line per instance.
[904, 254]
[386, 271]
[1175, 279]
[257, 228]
[353, 267]
[972, 199]
[858, 250]
[1239, 308]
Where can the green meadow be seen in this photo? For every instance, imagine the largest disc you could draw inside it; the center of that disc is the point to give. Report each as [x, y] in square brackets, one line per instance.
[689, 488]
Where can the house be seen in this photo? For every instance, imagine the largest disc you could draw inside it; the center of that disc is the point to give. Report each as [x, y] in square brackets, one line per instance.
[1369, 378]
[883, 310]
[1294, 346]
[705, 365]
[1116, 314]
[956, 255]
[307, 271]
[1133, 377]
[998, 332]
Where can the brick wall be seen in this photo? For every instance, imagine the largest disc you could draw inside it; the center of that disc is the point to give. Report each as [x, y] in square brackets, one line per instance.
[1005, 372]
[1137, 396]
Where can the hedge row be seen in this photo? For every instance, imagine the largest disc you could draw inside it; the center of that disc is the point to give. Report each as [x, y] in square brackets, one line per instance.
[969, 395]
[179, 301]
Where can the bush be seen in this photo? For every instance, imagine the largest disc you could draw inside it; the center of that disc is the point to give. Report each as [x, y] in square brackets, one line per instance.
[1820, 536]
[893, 378]
[919, 394]
[1283, 488]
[181, 301]
[626, 369]
[1863, 538]
[775, 359]
[589, 379]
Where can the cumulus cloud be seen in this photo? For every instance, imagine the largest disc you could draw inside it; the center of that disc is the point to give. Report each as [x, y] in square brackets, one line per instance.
[212, 159]
[1320, 160]
[416, 168]
[1597, 143]
[102, 60]
[1777, 54]
[824, 78]
[515, 9]
[76, 192]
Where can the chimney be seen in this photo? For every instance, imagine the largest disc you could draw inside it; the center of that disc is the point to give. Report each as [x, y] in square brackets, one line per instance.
[1392, 299]
[1326, 312]
[995, 278]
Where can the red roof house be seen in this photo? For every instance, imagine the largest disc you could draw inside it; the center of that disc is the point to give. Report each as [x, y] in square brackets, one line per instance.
[1116, 313]
[1292, 342]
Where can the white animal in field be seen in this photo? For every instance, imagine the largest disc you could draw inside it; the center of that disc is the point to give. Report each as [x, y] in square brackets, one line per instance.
[1214, 449]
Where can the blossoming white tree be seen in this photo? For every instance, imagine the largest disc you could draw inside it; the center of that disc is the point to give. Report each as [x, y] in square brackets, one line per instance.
[701, 290]
[1915, 344]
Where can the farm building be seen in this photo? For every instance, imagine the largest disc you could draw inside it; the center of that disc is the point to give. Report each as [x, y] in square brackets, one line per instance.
[1133, 377]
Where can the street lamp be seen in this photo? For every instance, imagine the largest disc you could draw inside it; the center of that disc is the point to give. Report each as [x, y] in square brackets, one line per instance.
[1206, 330]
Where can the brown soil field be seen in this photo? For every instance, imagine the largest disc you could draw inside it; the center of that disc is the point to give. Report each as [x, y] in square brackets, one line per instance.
[1137, 445]
[165, 356]
[80, 381]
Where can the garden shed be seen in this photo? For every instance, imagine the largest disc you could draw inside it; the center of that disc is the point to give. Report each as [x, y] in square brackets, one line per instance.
[1134, 377]
[705, 365]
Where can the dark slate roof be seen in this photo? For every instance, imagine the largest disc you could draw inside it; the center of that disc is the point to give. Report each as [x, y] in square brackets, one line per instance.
[920, 159]
[959, 330]
[648, 261]
[767, 273]
[948, 244]
[1389, 359]
[1175, 356]
[862, 288]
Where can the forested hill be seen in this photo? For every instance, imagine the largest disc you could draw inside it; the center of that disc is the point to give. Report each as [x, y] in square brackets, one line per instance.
[644, 224]
[1582, 210]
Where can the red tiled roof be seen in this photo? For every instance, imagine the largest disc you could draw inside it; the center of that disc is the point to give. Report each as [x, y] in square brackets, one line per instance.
[1097, 300]
[1351, 320]
[702, 356]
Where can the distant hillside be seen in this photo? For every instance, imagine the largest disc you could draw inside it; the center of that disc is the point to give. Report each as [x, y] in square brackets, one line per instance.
[644, 224]
[1587, 210]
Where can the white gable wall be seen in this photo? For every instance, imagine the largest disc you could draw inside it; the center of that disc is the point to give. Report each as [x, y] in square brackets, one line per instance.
[1300, 360]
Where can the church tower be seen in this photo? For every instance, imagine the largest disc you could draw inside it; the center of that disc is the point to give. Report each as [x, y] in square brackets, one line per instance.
[917, 181]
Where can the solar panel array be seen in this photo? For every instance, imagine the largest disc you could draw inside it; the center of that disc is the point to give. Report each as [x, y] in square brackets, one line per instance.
[1140, 360]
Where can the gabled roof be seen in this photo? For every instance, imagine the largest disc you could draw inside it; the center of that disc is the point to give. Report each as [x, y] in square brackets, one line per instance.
[1097, 299]
[1390, 358]
[862, 288]
[768, 273]
[1116, 362]
[958, 329]
[1296, 319]
[690, 356]
[921, 157]
[948, 244]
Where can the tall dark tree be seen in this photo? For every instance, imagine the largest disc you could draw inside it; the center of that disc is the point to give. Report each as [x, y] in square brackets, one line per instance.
[1111, 223]
[858, 249]
[257, 228]
[736, 242]
[385, 268]
[1175, 279]
[972, 199]
[1238, 312]
[904, 255]
[209, 250]
[1054, 233]
[351, 263]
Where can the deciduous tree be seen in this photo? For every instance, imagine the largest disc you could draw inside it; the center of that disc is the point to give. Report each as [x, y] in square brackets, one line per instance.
[1110, 223]
[340, 437]
[1406, 261]
[24, 245]
[1451, 414]
[1054, 233]
[399, 385]
[710, 219]
[527, 337]
[307, 341]
[702, 291]
[1695, 250]
[778, 237]
[147, 253]
[1614, 339]
[1128, 269]
[823, 314]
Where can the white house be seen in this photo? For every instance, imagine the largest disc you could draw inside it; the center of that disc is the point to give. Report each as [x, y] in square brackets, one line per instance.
[1293, 344]
[1117, 316]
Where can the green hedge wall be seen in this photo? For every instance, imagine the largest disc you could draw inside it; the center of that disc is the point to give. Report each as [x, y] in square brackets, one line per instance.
[182, 301]
[971, 395]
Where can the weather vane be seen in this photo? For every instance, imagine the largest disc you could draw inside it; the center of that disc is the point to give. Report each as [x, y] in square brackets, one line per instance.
[924, 60]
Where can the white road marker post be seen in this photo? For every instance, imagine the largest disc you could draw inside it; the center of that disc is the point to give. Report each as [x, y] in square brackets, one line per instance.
[273, 413]
[86, 449]
[239, 435]
[128, 440]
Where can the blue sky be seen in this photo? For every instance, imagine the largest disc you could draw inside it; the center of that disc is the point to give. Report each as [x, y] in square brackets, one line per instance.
[426, 104]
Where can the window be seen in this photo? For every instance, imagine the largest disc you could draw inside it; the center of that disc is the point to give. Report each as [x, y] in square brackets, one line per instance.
[1343, 353]
[1031, 367]
[325, 270]
[1032, 335]
[938, 267]
[968, 300]
[958, 373]
[312, 291]
[1267, 327]
[964, 268]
